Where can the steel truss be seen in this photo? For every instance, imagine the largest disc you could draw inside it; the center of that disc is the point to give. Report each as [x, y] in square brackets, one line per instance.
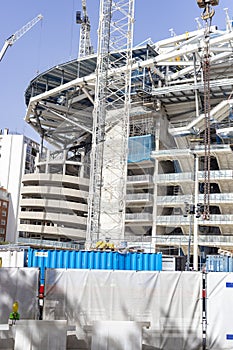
[111, 122]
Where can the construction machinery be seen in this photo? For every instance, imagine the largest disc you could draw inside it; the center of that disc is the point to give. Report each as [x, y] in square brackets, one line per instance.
[207, 5]
[207, 17]
[12, 39]
[85, 47]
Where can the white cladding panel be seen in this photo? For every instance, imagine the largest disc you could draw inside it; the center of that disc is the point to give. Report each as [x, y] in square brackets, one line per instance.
[219, 310]
[12, 258]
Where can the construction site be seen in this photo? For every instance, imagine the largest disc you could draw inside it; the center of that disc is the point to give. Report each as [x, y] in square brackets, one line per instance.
[141, 140]
[140, 161]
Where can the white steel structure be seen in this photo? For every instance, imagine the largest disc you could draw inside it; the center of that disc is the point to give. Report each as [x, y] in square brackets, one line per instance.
[85, 47]
[166, 127]
[17, 35]
[111, 122]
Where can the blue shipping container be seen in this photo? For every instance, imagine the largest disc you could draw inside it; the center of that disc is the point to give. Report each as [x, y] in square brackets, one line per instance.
[93, 260]
[219, 263]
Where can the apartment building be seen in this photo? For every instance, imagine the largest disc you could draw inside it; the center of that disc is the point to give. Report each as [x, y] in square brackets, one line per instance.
[17, 156]
[4, 205]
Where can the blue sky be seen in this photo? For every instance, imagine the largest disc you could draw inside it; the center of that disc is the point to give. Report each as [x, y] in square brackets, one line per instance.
[55, 39]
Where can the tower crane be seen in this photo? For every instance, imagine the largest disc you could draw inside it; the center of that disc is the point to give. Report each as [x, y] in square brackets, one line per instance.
[12, 39]
[85, 47]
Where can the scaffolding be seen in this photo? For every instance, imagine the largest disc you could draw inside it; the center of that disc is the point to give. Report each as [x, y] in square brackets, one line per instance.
[111, 122]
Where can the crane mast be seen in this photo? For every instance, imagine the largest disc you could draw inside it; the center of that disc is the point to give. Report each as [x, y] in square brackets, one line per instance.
[85, 47]
[17, 35]
[108, 174]
[207, 15]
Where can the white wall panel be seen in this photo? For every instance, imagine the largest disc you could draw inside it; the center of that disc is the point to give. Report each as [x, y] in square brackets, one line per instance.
[220, 310]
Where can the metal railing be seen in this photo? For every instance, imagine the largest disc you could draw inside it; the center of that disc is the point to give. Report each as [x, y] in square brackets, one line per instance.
[140, 178]
[215, 198]
[47, 243]
[174, 200]
[174, 177]
[179, 220]
[147, 197]
[178, 240]
[139, 217]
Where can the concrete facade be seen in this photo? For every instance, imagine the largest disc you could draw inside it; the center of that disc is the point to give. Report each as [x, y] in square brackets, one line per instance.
[17, 157]
[4, 205]
[168, 112]
[53, 204]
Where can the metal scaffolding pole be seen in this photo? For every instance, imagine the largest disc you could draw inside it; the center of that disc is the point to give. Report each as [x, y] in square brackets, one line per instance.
[108, 173]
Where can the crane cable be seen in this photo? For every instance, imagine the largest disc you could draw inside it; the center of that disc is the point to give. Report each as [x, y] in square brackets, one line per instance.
[207, 17]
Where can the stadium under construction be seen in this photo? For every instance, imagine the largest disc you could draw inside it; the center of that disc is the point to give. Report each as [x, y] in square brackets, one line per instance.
[141, 142]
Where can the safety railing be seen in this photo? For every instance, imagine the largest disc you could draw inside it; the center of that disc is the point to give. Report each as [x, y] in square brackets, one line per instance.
[140, 178]
[45, 243]
[177, 220]
[138, 217]
[146, 197]
[174, 177]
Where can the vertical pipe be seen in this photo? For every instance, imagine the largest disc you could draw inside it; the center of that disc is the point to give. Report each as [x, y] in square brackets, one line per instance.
[195, 223]
[195, 84]
[189, 242]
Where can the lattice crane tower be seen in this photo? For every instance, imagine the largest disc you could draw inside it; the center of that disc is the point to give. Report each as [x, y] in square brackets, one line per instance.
[85, 47]
[108, 174]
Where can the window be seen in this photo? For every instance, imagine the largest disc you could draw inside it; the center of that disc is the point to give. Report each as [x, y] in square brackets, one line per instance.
[2, 231]
[3, 213]
[4, 204]
[3, 222]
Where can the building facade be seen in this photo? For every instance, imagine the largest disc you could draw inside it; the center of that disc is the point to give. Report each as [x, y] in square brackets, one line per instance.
[167, 144]
[4, 205]
[17, 156]
[53, 206]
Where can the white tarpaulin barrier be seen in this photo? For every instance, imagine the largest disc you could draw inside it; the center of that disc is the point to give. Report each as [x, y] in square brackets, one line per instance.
[219, 332]
[40, 335]
[18, 284]
[105, 335]
[169, 301]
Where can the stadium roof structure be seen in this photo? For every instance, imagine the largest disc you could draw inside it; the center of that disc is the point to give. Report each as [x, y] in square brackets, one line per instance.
[166, 77]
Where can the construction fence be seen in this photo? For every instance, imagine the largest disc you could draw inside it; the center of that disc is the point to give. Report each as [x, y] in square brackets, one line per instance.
[151, 310]
[19, 284]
